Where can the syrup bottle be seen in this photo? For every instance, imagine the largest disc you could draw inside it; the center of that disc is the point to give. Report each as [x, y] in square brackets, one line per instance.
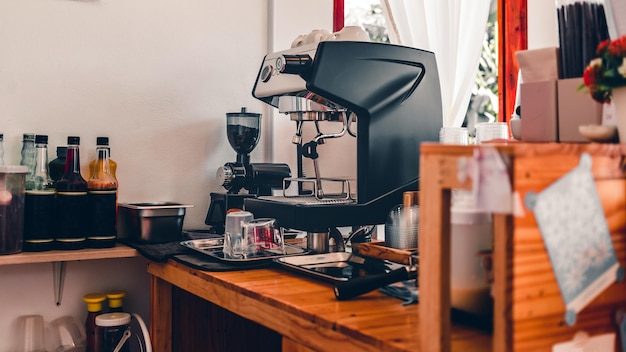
[102, 188]
[72, 201]
[39, 203]
[94, 308]
[104, 142]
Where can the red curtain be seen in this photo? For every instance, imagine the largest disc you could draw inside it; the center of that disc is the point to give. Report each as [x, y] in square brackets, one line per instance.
[338, 15]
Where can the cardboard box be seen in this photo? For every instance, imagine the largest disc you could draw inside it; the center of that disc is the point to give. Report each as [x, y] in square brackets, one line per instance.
[575, 108]
[553, 110]
[538, 65]
[538, 101]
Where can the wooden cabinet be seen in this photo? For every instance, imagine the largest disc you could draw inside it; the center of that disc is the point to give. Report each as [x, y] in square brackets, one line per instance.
[528, 308]
[301, 310]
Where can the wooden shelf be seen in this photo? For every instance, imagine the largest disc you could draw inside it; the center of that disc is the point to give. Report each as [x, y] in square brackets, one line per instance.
[119, 251]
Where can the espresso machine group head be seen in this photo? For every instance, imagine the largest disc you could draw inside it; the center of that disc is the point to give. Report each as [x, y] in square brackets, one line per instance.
[243, 130]
[390, 92]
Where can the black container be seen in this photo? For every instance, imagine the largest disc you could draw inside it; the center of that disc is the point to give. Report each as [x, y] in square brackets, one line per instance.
[57, 166]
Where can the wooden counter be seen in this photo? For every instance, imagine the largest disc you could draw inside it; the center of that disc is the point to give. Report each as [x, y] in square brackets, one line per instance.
[303, 311]
[528, 308]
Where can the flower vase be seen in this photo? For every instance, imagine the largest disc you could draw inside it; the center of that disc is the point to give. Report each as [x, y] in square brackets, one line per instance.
[618, 98]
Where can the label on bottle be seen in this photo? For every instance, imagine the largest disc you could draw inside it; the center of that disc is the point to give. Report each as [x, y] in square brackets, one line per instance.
[103, 212]
[39, 211]
[72, 216]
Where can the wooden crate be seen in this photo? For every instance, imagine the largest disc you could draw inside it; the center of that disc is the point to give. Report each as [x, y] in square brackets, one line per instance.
[528, 308]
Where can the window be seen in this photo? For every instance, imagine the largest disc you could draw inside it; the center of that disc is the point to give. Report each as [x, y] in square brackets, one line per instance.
[369, 15]
[493, 95]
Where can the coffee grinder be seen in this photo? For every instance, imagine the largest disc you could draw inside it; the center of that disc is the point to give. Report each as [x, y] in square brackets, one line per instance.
[243, 130]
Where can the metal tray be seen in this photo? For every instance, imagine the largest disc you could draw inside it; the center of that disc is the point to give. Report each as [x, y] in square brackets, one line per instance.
[335, 267]
[213, 248]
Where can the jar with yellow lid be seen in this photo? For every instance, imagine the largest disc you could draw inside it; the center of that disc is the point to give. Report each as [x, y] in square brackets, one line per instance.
[116, 300]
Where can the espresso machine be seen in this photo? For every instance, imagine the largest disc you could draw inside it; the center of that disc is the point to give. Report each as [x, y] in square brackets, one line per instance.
[390, 93]
[243, 130]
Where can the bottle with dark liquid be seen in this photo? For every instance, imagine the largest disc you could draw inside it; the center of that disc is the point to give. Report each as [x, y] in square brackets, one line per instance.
[39, 204]
[57, 166]
[72, 202]
[94, 308]
[102, 187]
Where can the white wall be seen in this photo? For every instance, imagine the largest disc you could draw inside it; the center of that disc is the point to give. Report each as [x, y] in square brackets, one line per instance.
[157, 77]
[542, 24]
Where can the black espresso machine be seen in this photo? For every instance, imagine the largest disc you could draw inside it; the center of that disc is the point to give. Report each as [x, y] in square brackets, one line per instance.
[391, 93]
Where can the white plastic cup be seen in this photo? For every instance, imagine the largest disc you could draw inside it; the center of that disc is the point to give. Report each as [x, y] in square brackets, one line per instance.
[454, 135]
[491, 130]
[31, 334]
[68, 332]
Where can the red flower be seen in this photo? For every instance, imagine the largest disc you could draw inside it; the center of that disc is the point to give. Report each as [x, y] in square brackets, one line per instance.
[602, 47]
[591, 75]
[616, 48]
[603, 72]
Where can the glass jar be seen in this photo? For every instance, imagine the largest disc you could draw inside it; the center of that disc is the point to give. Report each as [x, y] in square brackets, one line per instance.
[114, 329]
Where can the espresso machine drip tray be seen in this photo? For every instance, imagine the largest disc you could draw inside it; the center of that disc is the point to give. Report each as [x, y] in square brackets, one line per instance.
[320, 196]
[307, 200]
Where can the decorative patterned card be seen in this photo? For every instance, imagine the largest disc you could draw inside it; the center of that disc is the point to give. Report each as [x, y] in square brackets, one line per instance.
[575, 232]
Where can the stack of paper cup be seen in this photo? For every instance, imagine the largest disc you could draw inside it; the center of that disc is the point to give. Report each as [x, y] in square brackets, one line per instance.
[454, 135]
[491, 130]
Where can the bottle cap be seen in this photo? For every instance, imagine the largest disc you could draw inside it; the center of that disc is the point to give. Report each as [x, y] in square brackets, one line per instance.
[73, 140]
[28, 137]
[61, 152]
[115, 298]
[102, 141]
[94, 301]
[41, 139]
[113, 319]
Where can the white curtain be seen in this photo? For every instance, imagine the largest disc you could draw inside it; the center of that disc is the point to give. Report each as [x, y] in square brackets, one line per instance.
[454, 30]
